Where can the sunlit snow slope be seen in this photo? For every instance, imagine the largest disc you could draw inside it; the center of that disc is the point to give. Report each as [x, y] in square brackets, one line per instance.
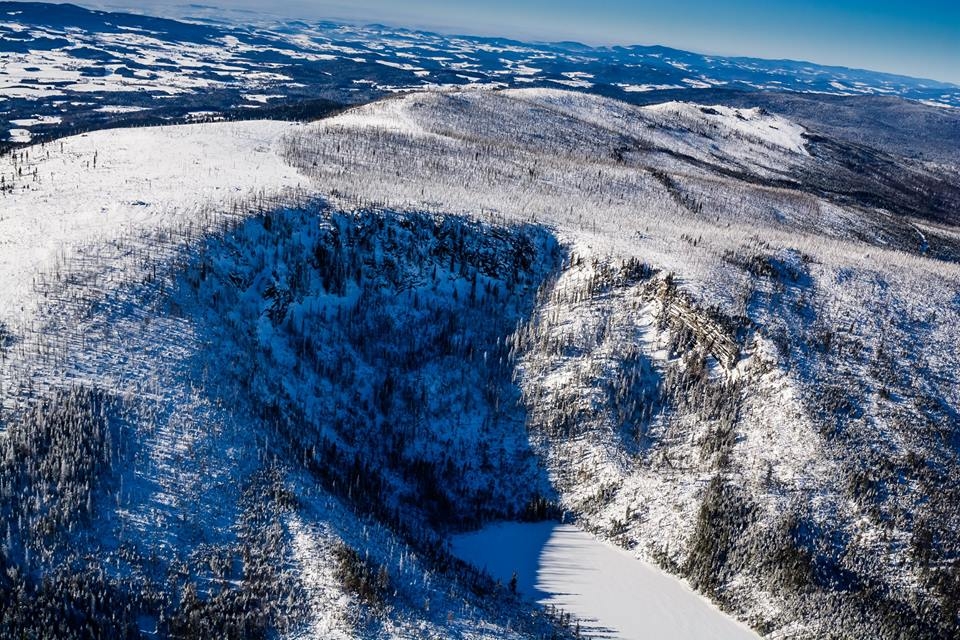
[87, 191]
[746, 370]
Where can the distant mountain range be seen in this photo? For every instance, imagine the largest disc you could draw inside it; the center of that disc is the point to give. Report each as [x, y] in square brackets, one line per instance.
[66, 68]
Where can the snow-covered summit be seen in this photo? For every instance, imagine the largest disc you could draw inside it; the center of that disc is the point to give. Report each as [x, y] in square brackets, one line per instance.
[754, 124]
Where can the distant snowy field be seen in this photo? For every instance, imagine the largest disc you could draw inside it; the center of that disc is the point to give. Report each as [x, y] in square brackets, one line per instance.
[616, 595]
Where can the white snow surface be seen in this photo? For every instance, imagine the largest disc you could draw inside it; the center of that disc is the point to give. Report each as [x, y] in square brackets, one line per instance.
[753, 124]
[19, 135]
[612, 593]
[144, 180]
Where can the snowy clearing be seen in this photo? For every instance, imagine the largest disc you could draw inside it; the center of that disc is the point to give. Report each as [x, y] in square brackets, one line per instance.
[111, 184]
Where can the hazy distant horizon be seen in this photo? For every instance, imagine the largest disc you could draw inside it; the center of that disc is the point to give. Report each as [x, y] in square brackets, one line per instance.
[923, 43]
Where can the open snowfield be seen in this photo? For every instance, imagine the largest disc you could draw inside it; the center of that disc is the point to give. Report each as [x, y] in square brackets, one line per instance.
[99, 188]
[611, 592]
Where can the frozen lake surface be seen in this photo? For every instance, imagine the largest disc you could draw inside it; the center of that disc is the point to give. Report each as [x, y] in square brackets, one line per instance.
[611, 592]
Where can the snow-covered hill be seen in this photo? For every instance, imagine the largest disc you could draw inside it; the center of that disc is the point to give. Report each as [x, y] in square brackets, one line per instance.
[66, 69]
[722, 374]
[96, 189]
[146, 457]
[255, 374]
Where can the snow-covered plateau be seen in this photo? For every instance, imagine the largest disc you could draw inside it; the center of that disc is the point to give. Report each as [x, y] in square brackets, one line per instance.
[257, 377]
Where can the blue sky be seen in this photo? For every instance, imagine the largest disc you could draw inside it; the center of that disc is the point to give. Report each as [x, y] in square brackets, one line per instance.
[919, 38]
